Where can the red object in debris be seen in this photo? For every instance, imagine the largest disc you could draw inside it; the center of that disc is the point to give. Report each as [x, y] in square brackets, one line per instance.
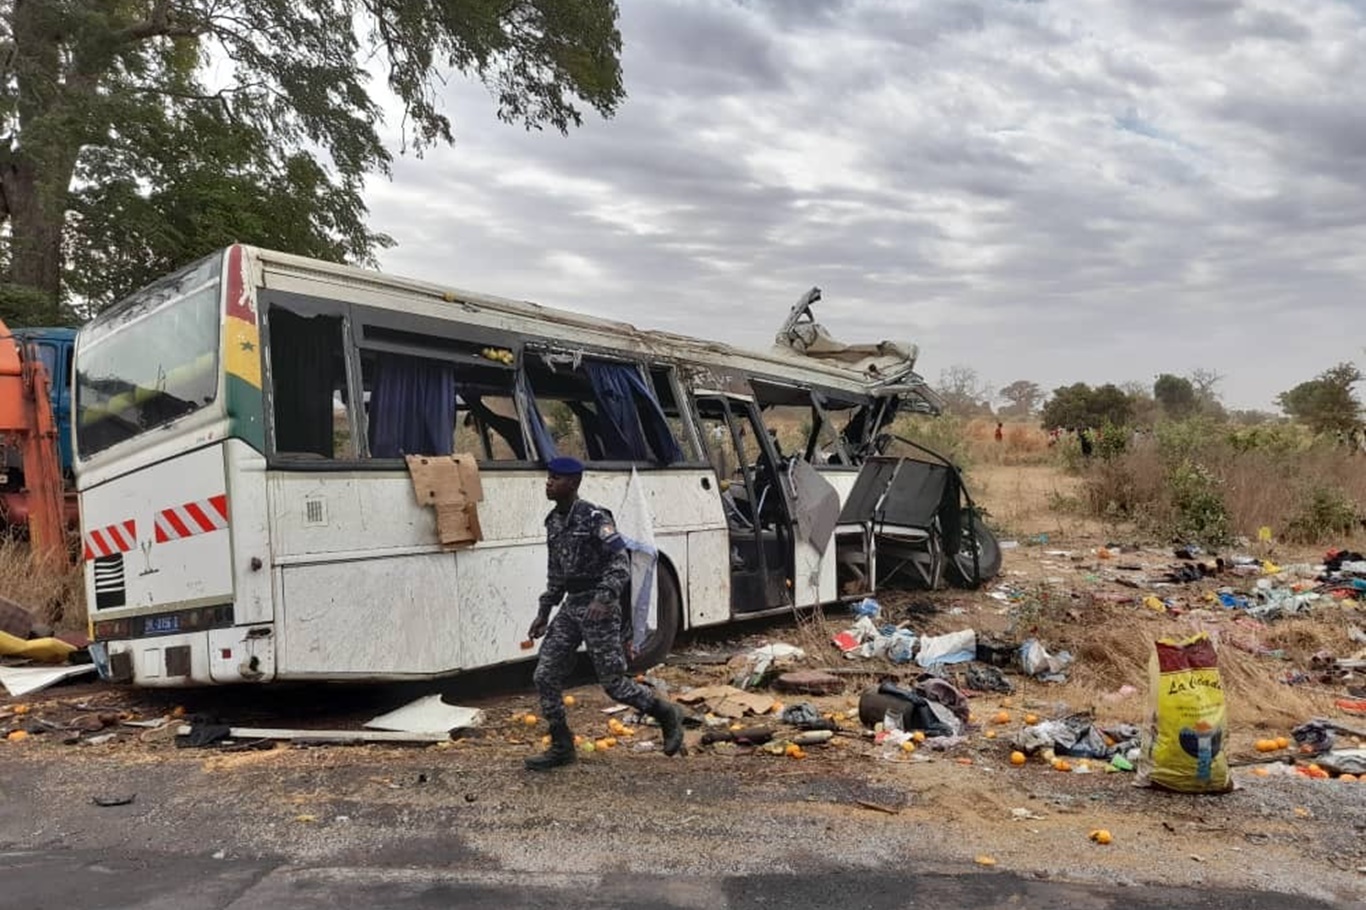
[1352, 706]
[846, 641]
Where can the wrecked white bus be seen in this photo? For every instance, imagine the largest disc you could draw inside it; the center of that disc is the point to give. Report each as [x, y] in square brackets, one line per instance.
[248, 514]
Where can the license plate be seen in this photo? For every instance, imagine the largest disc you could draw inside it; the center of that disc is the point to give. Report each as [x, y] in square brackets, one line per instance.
[160, 625]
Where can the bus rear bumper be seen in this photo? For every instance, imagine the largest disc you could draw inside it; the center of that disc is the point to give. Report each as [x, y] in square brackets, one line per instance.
[240, 654]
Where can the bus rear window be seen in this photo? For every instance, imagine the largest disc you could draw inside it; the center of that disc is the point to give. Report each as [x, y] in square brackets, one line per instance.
[150, 360]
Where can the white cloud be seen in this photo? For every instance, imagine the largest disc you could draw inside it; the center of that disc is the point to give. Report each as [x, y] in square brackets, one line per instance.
[1094, 191]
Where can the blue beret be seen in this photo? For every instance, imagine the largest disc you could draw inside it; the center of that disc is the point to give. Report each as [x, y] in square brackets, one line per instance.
[564, 465]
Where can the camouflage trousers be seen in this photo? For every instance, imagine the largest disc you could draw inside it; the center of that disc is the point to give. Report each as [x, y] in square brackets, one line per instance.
[604, 643]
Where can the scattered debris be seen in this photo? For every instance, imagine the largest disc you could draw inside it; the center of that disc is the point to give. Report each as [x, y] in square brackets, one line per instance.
[110, 801]
[810, 682]
[21, 681]
[728, 701]
[317, 737]
[427, 715]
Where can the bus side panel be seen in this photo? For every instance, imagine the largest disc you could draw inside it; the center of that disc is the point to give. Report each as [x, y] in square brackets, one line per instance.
[708, 577]
[370, 617]
[500, 588]
[843, 482]
[246, 474]
[162, 533]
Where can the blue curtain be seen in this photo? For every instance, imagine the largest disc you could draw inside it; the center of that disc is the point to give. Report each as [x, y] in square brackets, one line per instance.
[412, 407]
[632, 420]
[540, 433]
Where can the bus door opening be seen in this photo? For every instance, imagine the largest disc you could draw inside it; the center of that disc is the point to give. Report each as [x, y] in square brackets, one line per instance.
[757, 510]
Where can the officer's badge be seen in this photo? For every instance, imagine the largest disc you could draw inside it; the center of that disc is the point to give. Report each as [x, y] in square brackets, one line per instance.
[608, 529]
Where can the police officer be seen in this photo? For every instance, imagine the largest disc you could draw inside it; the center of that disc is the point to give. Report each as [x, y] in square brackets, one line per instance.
[588, 570]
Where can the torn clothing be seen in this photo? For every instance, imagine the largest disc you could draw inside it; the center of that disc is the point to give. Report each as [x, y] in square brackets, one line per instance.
[603, 639]
[586, 557]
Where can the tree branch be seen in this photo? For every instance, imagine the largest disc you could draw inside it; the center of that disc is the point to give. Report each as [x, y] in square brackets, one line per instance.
[157, 25]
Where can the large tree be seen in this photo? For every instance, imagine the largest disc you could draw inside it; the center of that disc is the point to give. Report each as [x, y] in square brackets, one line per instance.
[1176, 394]
[1024, 397]
[1327, 402]
[1080, 406]
[107, 114]
[964, 392]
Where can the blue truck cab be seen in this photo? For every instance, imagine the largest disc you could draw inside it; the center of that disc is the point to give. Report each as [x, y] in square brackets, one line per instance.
[56, 347]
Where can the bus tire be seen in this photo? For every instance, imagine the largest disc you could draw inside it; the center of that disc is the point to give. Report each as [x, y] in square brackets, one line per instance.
[988, 556]
[670, 617]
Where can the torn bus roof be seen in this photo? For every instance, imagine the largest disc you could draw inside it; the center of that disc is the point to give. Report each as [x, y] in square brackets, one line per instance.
[886, 368]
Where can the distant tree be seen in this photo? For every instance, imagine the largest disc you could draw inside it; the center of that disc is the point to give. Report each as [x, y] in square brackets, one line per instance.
[1024, 397]
[964, 393]
[1251, 418]
[1327, 402]
[1144, 409]
[1207, 399]
[1176, 394]
[1079, 405]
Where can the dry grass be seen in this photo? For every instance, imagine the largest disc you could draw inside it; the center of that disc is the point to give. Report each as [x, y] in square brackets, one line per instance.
[1112, 649]
[55, 599]
[1261, 487]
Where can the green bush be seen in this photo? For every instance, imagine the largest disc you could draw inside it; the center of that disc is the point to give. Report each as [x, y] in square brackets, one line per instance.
[1326, 514]
[1198, 500]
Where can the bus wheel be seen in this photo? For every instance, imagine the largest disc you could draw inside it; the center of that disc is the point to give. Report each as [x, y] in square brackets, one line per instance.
[963, 572]
[668, 617]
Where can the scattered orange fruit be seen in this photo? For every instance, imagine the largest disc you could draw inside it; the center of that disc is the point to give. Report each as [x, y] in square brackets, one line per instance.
[610, 741]
[602, 744]
[1100, 836]
[1031, 719]
[20, 709]
[545, 740]
[1350, 778]
[529, 720]
[918, 736]
[908, 747]
[1261, 772]
[963, 761]
[985, 860]
[178, 711]
[578, 740]
[1001, 717]
[1017, 758]
[1266, 745]
[569, 701]
[17, 736]
[1061, 764]
[1282, 742]
[991, 734]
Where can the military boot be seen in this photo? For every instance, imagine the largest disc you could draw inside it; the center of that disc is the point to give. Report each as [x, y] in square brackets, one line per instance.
[670, 718]
[561, 751]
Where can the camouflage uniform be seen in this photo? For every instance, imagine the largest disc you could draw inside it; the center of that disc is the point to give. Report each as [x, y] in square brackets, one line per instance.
[587, 561]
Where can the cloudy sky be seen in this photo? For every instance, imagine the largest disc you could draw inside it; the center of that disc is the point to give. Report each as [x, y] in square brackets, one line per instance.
[1053, 190]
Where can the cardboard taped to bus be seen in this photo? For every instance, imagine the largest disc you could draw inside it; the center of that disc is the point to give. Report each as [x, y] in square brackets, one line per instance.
[450, 485]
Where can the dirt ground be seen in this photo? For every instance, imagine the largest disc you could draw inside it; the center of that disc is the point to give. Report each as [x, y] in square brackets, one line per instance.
[739, 809]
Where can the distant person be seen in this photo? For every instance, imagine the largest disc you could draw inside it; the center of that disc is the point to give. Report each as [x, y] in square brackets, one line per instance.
[1000, 431]
[1084, 436]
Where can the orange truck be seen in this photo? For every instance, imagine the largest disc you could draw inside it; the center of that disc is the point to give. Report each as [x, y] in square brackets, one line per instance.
[27, 424]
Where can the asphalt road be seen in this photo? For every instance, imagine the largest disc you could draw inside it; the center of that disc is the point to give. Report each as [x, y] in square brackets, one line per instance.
[64, 880]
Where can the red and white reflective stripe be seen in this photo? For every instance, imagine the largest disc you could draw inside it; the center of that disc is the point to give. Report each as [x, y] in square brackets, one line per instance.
[119, 538]
[202, 517]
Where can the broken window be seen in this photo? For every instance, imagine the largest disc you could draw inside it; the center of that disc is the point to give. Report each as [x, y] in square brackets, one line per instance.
[430, 406]
[308, 385]
[598, 410]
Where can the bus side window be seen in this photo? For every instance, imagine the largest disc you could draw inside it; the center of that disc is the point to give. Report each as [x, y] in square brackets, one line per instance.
[308, 379]
[603, 410]
[435, 406]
